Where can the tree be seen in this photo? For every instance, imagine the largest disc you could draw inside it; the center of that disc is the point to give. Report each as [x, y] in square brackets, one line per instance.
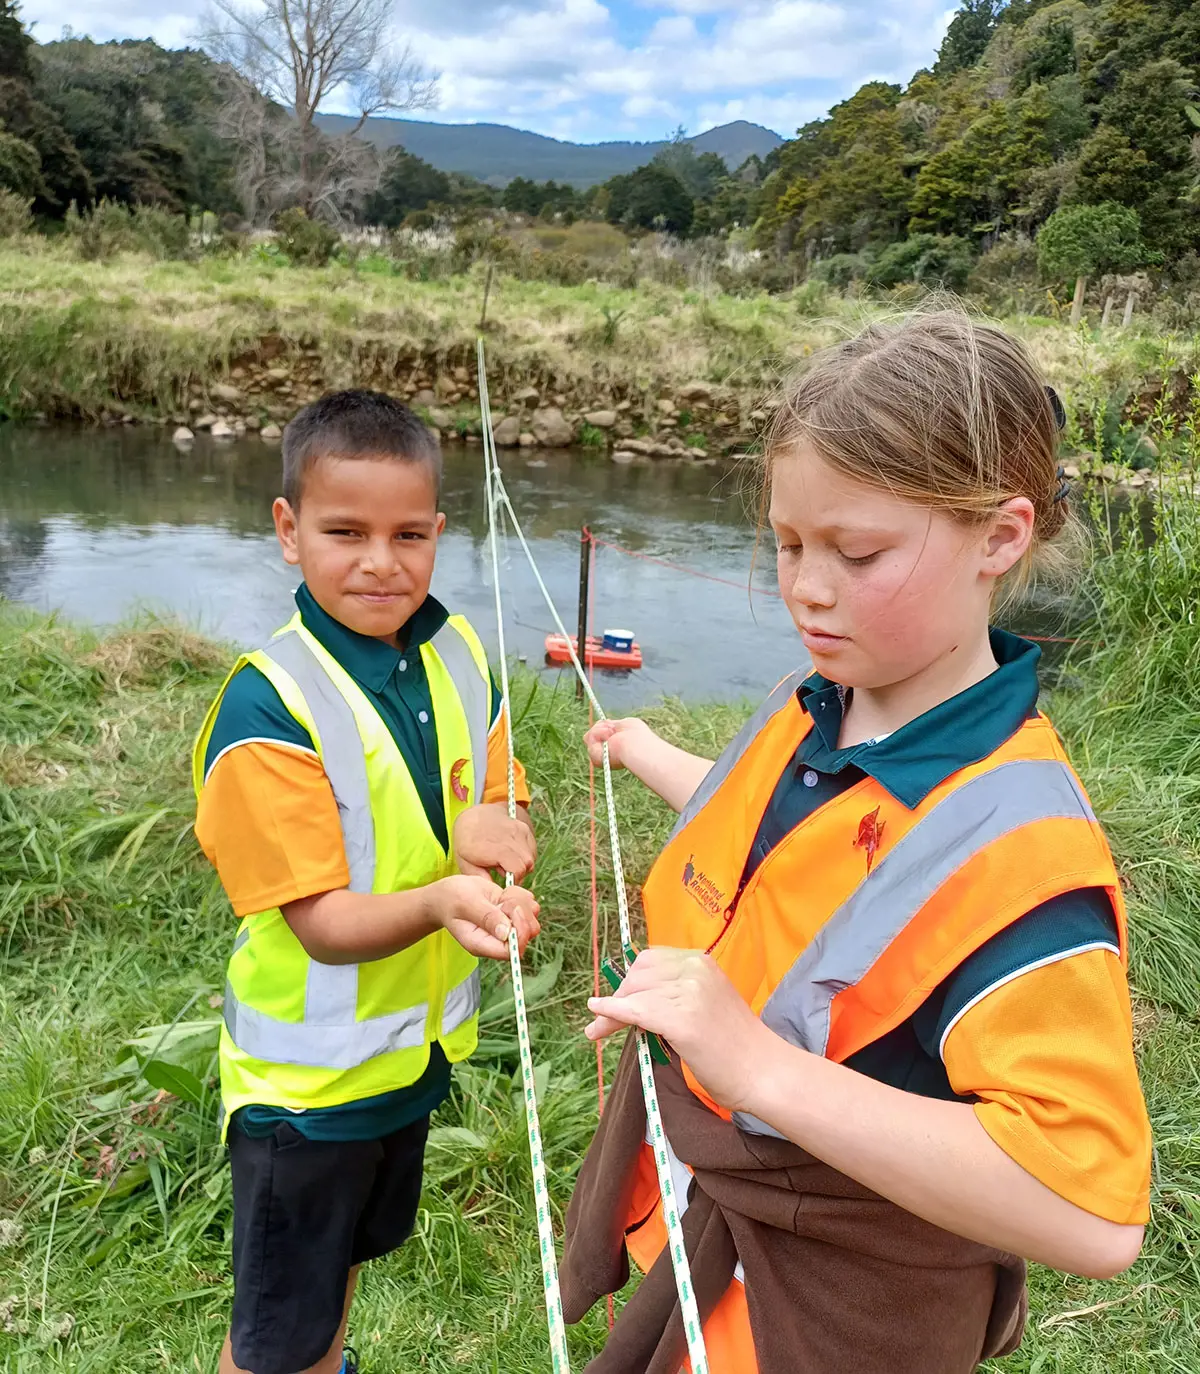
[298, 53]
[61, 176]
[408, 184]
[650, 198]
[969, 33]
[1086, 240]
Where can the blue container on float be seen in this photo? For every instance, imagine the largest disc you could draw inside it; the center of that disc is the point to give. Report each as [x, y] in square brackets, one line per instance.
[618, 641]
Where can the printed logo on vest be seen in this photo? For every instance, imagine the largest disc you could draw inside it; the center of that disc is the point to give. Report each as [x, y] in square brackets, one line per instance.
[703, 889]
[870, 834]
[456, 783]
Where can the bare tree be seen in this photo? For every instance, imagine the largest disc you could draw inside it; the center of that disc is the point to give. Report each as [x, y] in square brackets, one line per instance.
[299, 53]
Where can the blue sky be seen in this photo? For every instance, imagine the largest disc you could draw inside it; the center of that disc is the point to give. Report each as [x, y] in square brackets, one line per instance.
[588, 70]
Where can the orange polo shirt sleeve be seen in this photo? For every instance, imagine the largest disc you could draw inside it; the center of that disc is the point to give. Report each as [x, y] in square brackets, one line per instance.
[1038, 1030]
[266, 817]
[268, 822]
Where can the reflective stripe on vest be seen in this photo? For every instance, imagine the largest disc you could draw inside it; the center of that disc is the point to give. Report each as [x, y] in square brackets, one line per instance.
[342, 1044]
[720, 770]
[981, 811]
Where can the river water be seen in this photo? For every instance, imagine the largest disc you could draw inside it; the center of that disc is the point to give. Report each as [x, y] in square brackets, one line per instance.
[102, 525]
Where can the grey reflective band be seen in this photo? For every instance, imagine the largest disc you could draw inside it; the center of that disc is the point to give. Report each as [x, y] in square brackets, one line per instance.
[342, 754]
[733, 752]
[342, 1046]
[474, 691]
[462, 1003]
[331, 1036]
[847, 946]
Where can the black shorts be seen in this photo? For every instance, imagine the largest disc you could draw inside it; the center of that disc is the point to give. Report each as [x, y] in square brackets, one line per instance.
[304, 1213]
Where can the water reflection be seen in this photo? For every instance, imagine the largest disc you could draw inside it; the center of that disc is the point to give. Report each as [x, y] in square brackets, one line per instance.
[101, 524]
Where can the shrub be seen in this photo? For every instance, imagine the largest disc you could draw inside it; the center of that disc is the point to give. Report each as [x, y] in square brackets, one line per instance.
[113, 227]
[841, 270]
[480, 241]
[306, 242]
[1083, 240]
[1006, 276]
[16, 215]
[924, 259]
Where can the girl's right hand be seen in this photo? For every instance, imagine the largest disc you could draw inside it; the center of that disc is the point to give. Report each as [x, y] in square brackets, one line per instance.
[625, 738]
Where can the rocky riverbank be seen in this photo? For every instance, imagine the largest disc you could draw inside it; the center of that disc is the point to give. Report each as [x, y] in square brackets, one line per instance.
[693, 422]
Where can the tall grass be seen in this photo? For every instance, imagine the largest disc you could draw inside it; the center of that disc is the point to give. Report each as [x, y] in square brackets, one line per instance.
[93, 338]
[114, 1197]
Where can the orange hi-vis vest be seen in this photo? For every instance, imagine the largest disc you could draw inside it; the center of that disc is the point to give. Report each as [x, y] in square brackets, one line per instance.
[861, 911]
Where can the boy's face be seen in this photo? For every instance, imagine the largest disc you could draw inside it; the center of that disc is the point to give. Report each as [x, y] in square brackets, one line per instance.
[365, 538]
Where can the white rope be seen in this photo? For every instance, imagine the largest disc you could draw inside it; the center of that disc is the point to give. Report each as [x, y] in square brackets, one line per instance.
[498, 496]
[554, 1314]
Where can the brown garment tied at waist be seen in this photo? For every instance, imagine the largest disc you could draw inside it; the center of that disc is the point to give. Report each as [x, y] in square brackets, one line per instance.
[837, 1278]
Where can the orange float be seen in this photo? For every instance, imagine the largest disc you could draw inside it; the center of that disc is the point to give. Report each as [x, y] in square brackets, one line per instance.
[596, 653]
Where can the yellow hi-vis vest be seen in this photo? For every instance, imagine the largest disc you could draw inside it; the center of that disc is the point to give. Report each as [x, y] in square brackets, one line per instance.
[299, 1033]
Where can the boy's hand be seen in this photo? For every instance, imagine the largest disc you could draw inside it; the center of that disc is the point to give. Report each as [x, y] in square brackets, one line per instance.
[625, 739]
[487, 840]
[479, 914]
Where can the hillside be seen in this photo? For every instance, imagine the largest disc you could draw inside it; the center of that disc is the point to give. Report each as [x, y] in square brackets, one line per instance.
[496, 153]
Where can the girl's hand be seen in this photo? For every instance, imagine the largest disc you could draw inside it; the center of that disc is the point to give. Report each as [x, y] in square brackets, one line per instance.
[522, 909]
[625, 738]
[681, 995]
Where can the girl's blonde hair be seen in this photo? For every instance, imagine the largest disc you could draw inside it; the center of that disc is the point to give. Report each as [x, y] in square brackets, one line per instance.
[940, 410]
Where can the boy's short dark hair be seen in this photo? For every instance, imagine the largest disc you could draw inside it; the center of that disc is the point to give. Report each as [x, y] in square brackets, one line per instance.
[355, 424]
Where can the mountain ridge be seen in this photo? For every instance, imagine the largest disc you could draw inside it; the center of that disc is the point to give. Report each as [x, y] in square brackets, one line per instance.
[497, 153]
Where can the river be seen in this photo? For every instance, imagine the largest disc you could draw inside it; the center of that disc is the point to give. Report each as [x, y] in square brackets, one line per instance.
[103, 525]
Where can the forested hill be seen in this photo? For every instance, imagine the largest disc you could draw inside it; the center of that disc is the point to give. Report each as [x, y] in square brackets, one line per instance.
[1031, 106]
[497, 154]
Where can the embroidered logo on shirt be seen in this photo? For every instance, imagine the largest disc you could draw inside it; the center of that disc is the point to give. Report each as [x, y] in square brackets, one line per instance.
[703, 889]
[456, 783]
[870, 833]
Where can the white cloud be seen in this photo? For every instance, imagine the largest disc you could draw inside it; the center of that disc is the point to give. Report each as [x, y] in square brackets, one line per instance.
[574, 68]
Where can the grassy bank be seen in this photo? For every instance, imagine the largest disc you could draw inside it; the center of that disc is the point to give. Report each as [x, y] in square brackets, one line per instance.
[114, 1202]
[145, 338]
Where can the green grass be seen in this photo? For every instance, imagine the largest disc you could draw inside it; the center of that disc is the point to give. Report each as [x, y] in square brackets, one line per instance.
[89, 339]
[114, 1199]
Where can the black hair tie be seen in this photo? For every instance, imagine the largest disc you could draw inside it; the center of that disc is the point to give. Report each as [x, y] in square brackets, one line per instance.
[1057, 409]
[1064, 487]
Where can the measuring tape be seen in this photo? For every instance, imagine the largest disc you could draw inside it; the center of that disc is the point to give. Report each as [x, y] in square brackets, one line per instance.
[498, 498]
[554, 1314]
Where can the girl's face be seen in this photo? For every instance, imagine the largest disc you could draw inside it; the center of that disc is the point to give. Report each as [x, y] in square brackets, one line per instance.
[881, 588]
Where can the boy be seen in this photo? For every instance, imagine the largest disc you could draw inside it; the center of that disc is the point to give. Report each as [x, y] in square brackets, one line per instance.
[344, 773]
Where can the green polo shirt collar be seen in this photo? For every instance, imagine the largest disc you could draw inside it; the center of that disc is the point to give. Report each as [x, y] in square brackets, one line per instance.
[369, 660]
[919, 756]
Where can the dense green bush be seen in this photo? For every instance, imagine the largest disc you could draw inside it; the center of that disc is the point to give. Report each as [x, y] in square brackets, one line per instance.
[306, 242]
[1084, 240]
[113, 228]
[926, 259]
[840, 270]
[16, 214]
[1005, 278]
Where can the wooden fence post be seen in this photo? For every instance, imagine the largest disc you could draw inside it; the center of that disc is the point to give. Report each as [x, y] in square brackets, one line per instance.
[1129, 300]
[1077, 303]
[1107, 316]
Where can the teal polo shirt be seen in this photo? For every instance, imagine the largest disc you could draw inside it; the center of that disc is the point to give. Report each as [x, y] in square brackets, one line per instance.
[395, 682]
[909, 764]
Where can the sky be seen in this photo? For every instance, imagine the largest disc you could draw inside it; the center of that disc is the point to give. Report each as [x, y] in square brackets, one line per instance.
[587, 71]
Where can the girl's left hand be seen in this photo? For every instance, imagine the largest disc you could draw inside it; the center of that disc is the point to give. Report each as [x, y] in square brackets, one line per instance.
[681, 995]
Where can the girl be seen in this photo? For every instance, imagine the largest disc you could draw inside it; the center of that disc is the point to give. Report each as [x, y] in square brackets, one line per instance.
[887, 939]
